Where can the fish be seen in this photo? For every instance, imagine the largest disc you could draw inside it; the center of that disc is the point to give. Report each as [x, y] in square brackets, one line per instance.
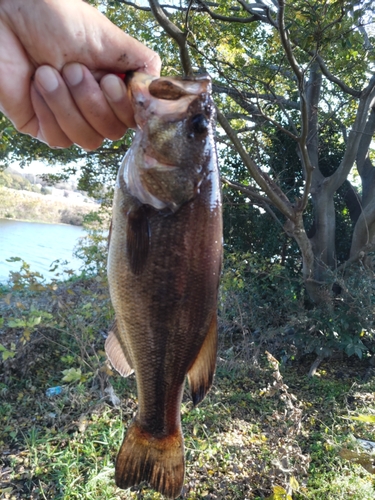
[164, 264]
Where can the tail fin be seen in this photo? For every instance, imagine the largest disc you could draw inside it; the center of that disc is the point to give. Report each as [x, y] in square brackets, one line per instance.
[159, 461]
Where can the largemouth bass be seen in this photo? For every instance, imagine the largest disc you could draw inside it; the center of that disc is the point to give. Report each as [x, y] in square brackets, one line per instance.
[164, 264]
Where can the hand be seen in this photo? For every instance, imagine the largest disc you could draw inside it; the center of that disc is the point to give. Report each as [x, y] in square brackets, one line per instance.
[53, 54]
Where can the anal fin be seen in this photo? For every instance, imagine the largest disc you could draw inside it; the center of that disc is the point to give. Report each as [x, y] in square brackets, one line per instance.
[201, 374]
[117, 354]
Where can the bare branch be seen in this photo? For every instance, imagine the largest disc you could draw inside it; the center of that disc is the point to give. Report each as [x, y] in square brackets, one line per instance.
[362, 159]
[355, 136]
[221, 89]
[275, 194]
[248, 190]
[136, 6]
[260, 10]
[286, 44]
[169, 6]
[258, 199]
[334, 79]
[175, 32]
[302, 143]
[230, 19]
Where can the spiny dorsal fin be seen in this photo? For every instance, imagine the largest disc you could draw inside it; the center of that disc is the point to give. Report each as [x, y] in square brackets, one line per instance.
[116, 354]
[201, 374]
[138, 238]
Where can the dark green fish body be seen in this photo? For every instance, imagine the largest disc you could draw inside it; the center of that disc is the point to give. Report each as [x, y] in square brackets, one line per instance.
[163, 270]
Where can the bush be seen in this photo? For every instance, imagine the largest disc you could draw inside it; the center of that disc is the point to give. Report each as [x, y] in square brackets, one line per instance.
[45, 190]
[93, 248]
[264, 302]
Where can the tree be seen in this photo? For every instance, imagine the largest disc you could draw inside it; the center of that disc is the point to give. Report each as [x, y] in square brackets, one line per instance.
[96, 170]
[301, 72]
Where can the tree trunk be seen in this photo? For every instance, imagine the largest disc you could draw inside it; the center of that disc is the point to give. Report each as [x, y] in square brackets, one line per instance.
[323, 240]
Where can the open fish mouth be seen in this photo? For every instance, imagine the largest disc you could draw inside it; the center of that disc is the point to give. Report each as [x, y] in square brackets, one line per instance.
[164, 96]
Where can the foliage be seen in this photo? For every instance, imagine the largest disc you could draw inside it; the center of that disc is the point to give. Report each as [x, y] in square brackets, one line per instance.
[16, 181]
[93, 248]
[292, 86]
[264, 301]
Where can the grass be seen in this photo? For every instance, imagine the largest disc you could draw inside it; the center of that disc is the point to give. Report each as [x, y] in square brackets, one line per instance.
[264, 431]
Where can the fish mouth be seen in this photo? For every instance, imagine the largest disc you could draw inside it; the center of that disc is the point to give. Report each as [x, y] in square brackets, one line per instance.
[168, 88]
[164, 96]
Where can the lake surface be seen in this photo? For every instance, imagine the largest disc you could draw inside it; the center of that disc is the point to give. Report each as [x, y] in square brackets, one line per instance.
[38, 245]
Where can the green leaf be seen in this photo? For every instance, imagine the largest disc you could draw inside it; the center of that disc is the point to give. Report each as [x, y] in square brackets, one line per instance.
[294, 483]
[72, 375]
[6, 354]
[34, 321]
[369, 419]
[16, 323]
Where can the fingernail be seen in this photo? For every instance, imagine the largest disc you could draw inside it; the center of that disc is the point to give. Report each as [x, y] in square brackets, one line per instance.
[47, 79]
[112, 87]
[73, 73]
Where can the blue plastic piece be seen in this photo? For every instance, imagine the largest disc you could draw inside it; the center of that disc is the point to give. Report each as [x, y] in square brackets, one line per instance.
[54, 391]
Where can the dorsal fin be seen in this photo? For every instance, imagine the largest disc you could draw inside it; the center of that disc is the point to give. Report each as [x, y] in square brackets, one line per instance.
[117, 354]
[138, 238]
[201, 373]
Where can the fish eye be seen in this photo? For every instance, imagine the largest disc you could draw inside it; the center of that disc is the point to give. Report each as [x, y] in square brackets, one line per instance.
[199, 123]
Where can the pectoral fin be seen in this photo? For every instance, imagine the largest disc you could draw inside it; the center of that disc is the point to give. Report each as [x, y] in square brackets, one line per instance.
[138, 238]
[201, 374]
[117, 354]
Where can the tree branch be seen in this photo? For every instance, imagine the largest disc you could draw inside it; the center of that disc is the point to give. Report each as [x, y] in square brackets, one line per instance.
[302, 142]
[174, 32]
[248, 190]
[254, 10]
[229, 19]
[355, 136]
[345, 88]
[274, 193]
[257, 198]
[167, 6]
[220, 89]
[364, 144]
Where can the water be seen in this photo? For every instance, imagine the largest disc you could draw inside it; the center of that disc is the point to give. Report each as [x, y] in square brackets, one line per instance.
[37, 244]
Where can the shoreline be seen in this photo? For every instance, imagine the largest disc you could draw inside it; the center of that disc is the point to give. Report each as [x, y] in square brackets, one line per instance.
[27, 206]
[39, 222]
